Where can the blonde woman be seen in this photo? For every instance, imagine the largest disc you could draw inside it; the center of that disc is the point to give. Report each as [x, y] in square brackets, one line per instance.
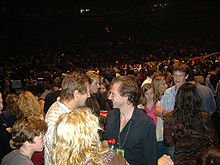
[159, 87]
[92, 101]
[96, 101]
[29, 105]
[77, 139]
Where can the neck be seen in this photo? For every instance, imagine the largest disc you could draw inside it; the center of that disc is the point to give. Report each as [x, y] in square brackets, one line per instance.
[26, 152]
[150, 103]
[69, 104]
[127, 111]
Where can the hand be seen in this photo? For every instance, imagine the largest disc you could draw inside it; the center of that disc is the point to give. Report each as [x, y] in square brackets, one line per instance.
[158, 111]
[165, 160]
[44, 94]
[104, 143]
[117, 160]
[9, 129]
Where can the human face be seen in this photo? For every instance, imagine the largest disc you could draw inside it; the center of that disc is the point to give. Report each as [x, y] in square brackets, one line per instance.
[149, 95]
[1, 103]
[162, 86]
[94, 86]
[117, 100]
[82, 97]
[179, 78]
[38, 143]
[102, 88]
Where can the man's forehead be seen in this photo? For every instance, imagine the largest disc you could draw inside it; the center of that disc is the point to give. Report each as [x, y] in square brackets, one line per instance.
[115, 86]
[178, 73]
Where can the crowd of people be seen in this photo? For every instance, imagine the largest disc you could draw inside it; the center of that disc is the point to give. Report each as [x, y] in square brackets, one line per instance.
[164, 112]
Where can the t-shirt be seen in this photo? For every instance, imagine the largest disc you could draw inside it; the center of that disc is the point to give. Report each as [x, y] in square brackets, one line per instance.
[15, 157]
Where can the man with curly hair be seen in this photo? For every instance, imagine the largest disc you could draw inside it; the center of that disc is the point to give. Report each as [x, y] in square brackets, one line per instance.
[27, 138]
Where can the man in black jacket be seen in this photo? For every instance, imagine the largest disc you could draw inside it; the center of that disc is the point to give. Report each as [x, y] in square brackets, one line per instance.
[133, 131]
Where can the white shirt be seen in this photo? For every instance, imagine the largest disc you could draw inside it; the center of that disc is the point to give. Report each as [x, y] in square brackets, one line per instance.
[52, 116]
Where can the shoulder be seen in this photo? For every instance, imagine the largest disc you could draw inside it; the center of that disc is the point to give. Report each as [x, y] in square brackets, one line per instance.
[52, 108]
[171, 89]
[169, 116]
[16, 157]
[113, 113]
[142, 118]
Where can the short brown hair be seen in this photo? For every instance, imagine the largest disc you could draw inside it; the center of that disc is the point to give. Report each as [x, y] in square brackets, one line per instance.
[71, 82]
[26, 129]
[128, 87]
[181, 67]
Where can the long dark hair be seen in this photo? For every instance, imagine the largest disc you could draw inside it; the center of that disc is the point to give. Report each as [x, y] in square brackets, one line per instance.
[187, 106]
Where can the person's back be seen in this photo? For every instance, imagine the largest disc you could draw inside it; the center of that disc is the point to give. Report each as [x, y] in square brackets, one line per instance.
[189, 143]
[208, 101]
[187, 127]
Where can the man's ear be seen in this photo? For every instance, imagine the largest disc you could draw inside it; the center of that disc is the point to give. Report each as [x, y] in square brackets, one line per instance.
[27, 144]
[126, 100]
[76, 94]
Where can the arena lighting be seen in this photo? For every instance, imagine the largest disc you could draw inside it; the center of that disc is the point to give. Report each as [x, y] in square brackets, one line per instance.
[84, 10]
[116, 62]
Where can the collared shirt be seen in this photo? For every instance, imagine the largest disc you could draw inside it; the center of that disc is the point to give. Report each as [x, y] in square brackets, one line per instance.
[52, 116]
[137, 139]
[168, 99]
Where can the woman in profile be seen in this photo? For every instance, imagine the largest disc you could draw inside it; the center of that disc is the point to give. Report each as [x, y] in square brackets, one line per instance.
[189, 129]
[159, 86]
[77, 140]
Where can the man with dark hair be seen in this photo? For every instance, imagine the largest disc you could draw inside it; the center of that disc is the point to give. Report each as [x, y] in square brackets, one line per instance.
[75, 91]
[133, 131]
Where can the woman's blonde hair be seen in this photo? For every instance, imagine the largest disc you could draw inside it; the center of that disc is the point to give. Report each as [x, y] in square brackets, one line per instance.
[77, 141]
[29, 104]
[156, 82]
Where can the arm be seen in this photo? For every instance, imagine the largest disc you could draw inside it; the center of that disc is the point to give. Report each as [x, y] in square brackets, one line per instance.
[210, 133]
[163, 107]
[159, 111]
[168, 133]
[117, 160]
[211, 102]
[150, 145]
